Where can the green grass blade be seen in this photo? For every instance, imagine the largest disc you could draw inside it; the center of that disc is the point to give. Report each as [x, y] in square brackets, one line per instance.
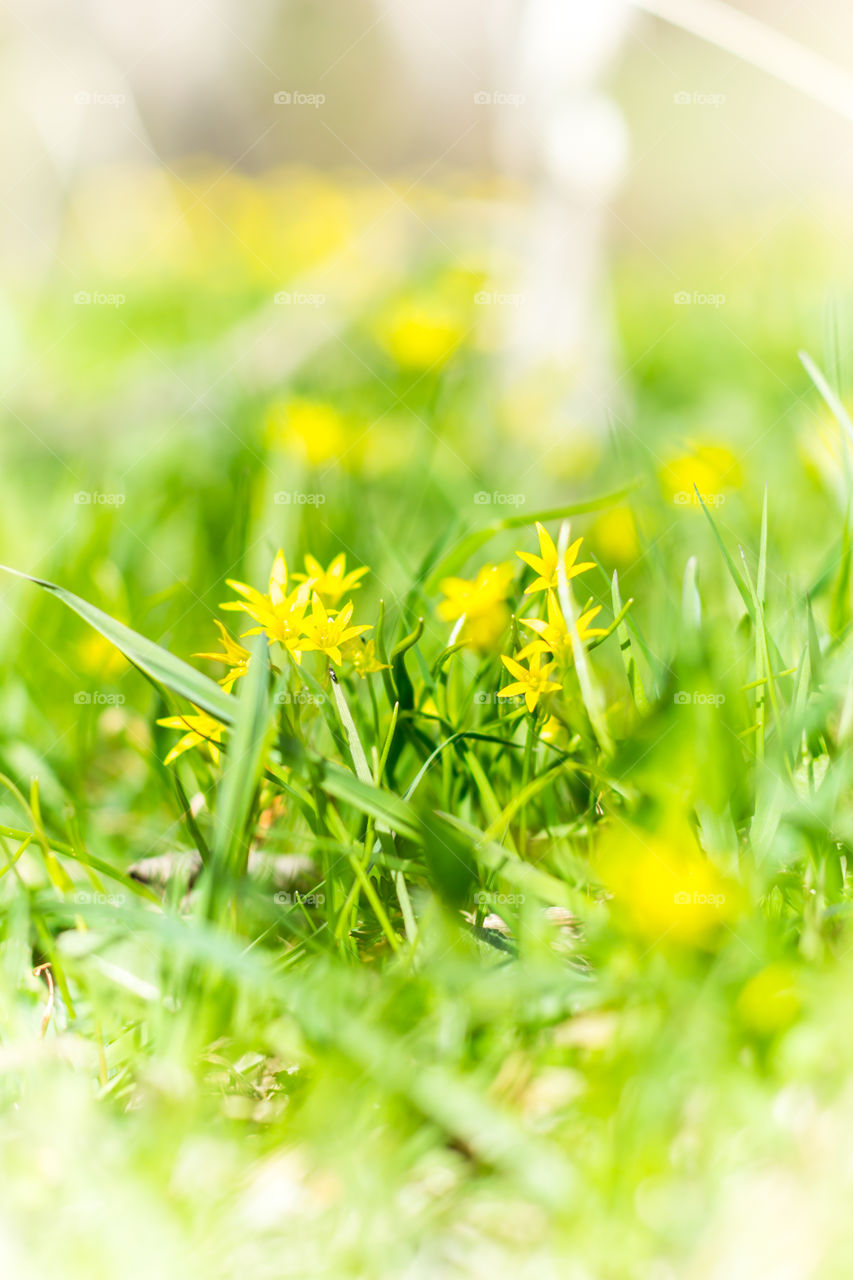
[242, 769]
[154, 661]
[629, 659]
[730, 564]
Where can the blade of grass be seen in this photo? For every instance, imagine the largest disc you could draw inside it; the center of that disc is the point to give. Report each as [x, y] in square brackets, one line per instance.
[155, 662]
[629, 660]
[241, 773]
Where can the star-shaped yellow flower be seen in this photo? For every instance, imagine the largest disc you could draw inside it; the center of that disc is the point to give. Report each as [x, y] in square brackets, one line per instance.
[326, 633]
[255, 599]
[531, 683]
[280, 615]
[285, 622]
[334, 582]
[555, 635]
[233, 655]
[201, 730]
[364, 658]
[545, 564]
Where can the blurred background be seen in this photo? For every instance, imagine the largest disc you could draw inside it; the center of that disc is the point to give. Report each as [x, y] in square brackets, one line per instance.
[342, 276]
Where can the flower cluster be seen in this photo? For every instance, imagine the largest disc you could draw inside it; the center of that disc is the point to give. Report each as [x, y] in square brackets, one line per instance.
[301, 612]
[312, 612]
[482, 615]
[308, 617]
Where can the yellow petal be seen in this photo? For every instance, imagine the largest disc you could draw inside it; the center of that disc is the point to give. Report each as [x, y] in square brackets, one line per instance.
[535, 624]
[535, 562]
[514, 668]
[546, 543]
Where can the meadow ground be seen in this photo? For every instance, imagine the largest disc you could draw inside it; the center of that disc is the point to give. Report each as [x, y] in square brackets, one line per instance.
[546, 982]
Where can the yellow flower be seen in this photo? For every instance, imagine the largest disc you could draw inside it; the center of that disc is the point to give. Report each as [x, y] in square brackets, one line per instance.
[202, 730]
[530, 683]
[472, 598]
[312, 429]
[365, 660]
[281, 616]
[326, 634]
[616, 537]
[332, 583]
[256, 599]
[710, 467]
[663, 886]
[555, 635]
[283, 620]
[421, 334]
[478, 606]
[552, 730]
[233, 655]
[545, 564]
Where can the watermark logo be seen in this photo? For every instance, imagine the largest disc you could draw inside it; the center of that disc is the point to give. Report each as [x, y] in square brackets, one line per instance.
[298, 98]
[89, 98]
[301, 698]
[296, 498]
[287, 298]
[483, 899]
[94, 498]
[493, 298]
[86, 298]
[286, 899]
[499, 98]
[685, 698]
[685, 299]
[99, 698]
[483, 698]
[699, 899]
[698, 99]
[484, 499]
[689, 497]
[99, 899]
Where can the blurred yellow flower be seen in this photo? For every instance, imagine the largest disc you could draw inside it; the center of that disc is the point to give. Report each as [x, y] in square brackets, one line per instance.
[530, 683]
[552, 730]
[365, 660]
[712, 468]
[312, 429]
[478, 606]
[470, 597]
[615, 536]
[663, 886]
[421, 333]
[545, 564]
